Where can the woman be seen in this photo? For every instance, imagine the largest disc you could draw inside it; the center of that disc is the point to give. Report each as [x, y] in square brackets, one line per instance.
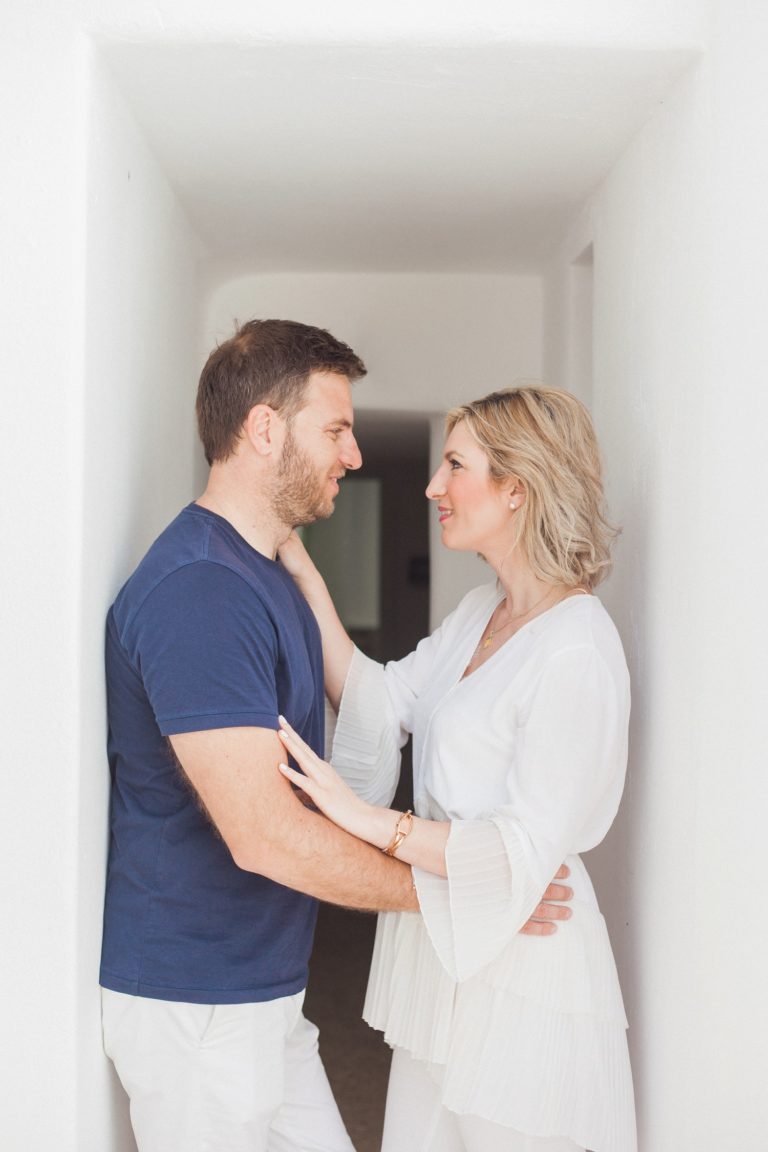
[519, 707]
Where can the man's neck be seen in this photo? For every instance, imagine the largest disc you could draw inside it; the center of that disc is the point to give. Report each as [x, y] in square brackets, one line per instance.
[255, 523]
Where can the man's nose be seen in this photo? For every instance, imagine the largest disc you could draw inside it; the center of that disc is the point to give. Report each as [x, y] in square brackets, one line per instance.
[351, 456]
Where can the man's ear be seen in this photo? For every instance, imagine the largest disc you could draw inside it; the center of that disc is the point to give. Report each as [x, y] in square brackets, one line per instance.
[264, 429]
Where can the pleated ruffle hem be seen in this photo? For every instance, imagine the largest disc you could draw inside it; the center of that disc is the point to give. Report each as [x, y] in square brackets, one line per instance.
[519, 1043]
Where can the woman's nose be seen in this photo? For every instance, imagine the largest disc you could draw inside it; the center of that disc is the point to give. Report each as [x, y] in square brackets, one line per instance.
[436, 486]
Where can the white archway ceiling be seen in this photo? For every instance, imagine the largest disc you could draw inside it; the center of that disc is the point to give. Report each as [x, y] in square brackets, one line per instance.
[395, 156]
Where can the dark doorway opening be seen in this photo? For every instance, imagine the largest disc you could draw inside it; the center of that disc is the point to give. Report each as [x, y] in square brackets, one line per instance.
[388, 623]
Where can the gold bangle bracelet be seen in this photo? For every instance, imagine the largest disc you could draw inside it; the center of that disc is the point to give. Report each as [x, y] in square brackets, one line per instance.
[404, 825]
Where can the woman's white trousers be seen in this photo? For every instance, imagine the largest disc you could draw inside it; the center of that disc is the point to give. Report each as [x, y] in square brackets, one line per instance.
[417, 1121]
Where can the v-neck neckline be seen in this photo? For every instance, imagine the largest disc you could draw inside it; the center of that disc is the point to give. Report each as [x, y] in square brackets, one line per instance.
[468, 675]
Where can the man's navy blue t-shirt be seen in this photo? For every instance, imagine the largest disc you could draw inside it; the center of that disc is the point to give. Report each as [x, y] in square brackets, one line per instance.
[207, 633]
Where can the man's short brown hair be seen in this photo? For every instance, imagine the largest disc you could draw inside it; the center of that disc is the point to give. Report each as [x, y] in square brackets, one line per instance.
[265, 362]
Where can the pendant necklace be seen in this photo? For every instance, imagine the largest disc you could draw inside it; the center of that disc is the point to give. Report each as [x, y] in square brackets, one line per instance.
[486, 641]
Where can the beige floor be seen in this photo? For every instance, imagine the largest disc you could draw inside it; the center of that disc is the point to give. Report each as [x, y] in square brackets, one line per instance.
[356, 1058]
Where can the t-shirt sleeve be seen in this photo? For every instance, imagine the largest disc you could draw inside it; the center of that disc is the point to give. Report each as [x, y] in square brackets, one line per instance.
[498, 867]
[206, 650]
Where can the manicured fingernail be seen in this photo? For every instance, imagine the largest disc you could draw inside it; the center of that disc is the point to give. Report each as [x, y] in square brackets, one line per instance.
[283, 720]
[283, 767]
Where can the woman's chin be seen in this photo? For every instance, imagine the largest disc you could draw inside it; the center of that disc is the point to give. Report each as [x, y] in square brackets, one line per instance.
[454, 542]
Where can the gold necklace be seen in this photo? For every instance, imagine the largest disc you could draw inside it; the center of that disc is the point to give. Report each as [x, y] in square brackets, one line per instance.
[486, 641]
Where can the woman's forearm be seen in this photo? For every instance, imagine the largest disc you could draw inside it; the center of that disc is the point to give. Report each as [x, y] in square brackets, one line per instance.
[402, 835]
[337, 646]
[423, 846]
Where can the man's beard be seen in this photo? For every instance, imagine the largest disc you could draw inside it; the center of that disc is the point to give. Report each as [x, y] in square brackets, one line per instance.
[298, 496]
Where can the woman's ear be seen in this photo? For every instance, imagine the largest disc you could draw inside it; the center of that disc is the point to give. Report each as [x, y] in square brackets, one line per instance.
[515, 494]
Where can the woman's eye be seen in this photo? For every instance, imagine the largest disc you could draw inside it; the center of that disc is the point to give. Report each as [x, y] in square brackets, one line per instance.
[454, 465]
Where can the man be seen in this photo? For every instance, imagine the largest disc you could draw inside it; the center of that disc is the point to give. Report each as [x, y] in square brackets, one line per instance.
[215, 865]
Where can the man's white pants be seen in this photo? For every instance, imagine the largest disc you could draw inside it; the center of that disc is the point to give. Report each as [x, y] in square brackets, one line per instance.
[223, 1077]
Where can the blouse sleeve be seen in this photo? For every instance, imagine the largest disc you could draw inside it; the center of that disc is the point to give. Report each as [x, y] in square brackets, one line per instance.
[376, 717]
[366, 740]
[564, 789]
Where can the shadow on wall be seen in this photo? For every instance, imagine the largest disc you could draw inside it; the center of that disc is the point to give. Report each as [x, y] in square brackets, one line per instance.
[613, 864]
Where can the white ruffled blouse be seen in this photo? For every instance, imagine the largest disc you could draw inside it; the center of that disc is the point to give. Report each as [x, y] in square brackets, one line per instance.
[526, 757]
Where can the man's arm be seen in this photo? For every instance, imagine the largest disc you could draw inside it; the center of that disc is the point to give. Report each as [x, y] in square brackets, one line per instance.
[268, 830]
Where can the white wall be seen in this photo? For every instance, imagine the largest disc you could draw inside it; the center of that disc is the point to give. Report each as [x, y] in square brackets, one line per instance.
[141, 368]
[679, 399]
[102, 345]
[731, 1036]
[41, 274]
[428, 341]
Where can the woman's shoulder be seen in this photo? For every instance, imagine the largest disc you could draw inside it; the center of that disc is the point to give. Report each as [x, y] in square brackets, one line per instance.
[579, 622]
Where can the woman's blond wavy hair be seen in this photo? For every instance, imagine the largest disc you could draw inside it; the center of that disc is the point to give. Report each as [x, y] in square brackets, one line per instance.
[544, 437]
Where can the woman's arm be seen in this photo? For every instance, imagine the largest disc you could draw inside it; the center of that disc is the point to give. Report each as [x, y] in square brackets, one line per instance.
[564, 786]
[423, 844]
[337, 646]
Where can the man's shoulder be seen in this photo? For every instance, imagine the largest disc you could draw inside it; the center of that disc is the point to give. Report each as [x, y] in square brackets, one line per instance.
[198, 561]
[182, 543]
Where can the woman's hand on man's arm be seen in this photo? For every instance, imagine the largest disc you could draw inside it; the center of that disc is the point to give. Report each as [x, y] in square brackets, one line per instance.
[424, 844]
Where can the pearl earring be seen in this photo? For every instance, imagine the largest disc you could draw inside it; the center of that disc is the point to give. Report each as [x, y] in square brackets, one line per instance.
[512, 505]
